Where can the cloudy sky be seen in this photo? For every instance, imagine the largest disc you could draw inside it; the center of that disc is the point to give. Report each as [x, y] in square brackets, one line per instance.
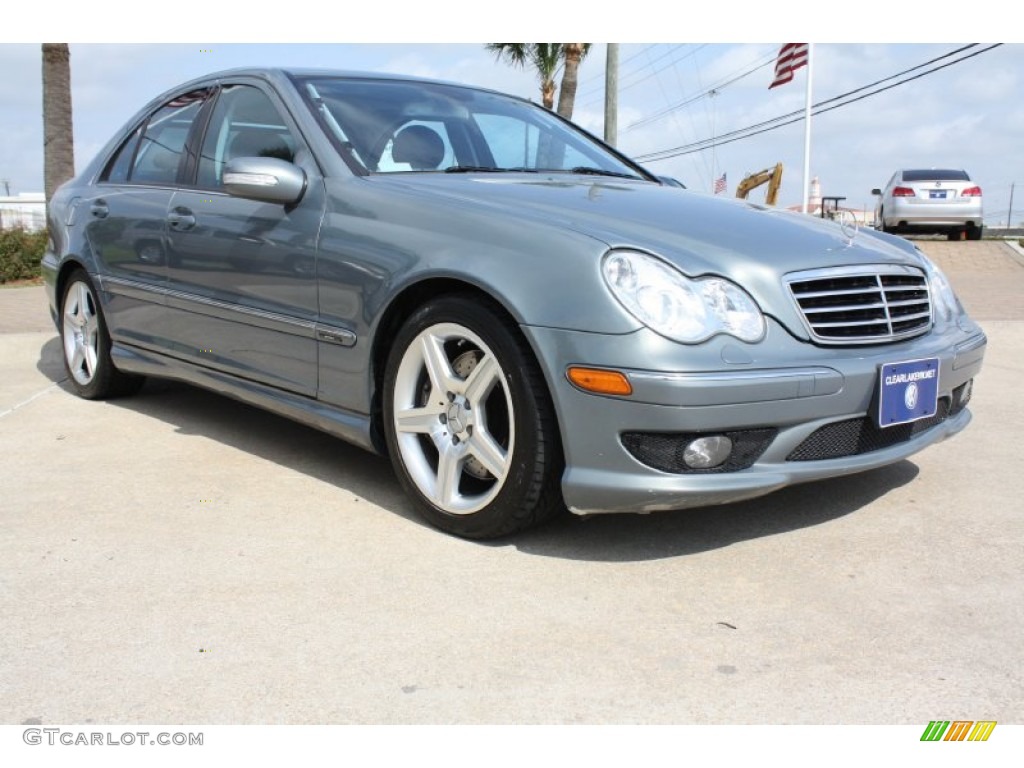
[968, 115]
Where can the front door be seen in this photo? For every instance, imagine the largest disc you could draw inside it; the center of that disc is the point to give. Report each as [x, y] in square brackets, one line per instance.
[242, 293]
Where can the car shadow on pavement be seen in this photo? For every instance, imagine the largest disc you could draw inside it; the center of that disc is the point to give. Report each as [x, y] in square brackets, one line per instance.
[611, 537]
[195, 411]
[51, 361]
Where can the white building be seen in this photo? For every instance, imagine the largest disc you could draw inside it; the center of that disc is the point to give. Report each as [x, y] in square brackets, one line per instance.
[26, 210]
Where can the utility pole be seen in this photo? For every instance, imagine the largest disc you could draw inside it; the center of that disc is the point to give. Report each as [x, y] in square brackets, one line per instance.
[1009, 213]
[611, 95]
[7, 187]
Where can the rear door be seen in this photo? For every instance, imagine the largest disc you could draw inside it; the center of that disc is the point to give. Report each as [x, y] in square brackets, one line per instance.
[126, 216]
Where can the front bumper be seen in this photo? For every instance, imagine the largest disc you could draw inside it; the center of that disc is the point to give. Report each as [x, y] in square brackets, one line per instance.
[781, 384]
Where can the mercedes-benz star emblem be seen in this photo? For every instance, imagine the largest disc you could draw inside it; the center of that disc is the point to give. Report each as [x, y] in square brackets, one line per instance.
[847, 223]
[910, 396]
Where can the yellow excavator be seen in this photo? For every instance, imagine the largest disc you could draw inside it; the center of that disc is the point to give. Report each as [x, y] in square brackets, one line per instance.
[770, 176]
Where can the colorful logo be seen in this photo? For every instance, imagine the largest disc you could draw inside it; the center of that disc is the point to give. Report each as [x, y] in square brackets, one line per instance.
[958, 730]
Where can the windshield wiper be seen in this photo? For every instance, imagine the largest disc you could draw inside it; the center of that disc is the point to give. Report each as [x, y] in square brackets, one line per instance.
[588, 170]
[485, 169]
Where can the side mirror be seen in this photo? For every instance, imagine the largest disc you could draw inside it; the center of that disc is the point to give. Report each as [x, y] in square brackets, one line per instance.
[876, 191]
[266, 179]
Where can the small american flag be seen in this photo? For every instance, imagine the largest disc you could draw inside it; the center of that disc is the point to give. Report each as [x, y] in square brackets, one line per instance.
[720, 185]
[792, 56]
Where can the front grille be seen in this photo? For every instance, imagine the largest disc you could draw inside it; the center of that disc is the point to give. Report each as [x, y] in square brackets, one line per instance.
[856, 436]
[664, 450]
[864, 304]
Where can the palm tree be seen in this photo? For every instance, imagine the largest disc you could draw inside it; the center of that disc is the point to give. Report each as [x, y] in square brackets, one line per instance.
[573, 53]
[58, 135]
[543, 57]
[546, 58]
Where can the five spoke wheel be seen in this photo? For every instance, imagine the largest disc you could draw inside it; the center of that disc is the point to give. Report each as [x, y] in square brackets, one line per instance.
[469, 422]
[87, 345]
[81, 333]
[453, 417]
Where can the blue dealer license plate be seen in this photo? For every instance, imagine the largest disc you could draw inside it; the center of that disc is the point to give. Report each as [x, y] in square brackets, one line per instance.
[909, 391]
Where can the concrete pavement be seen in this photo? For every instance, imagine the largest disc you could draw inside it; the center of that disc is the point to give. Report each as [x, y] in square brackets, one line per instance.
[181, 558]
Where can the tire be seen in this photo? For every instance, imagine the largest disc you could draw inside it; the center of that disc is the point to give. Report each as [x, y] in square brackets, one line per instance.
[469, 423]
[974, 233]
[86, 344]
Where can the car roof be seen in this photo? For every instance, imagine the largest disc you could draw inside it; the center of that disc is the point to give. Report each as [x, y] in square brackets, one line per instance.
[286, 73]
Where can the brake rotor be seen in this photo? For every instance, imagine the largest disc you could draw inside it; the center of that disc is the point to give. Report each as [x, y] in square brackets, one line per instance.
[463, 366]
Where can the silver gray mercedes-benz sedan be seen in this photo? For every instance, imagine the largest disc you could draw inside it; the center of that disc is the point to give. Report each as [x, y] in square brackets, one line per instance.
[522, 318]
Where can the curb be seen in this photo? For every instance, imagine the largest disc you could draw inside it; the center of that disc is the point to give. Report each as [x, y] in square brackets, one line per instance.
[1018, 252]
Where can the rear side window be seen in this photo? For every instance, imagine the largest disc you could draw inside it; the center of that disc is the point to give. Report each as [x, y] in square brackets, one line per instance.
[153, 154]
[936, 174]
[119, 168]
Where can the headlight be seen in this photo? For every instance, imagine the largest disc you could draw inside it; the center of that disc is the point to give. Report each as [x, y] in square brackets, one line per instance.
[947, 305]
[683, 309]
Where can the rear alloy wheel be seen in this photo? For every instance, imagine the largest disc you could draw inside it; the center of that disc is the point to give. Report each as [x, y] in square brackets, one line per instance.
[87, 344]
[469, 422]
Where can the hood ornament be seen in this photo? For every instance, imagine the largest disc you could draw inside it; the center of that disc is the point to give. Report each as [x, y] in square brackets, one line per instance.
[848, 224]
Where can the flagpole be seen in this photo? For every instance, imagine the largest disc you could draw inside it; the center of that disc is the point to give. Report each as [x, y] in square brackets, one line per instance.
[714, 173]
[807, 126]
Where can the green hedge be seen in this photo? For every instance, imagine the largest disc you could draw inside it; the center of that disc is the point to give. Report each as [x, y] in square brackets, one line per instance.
[20, 254]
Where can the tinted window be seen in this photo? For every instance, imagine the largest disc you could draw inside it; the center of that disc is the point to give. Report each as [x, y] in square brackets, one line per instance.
[935, 174]
[118, 168]
[245, 123]
[163, 140]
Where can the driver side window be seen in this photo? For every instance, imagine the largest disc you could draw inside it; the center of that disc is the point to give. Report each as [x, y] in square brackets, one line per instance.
[245, 123]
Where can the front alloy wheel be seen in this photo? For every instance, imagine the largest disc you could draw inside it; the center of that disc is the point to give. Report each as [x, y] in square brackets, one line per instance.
[469, 423]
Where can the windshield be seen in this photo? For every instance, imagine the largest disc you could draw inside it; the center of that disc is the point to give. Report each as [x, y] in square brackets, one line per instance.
[396, 126]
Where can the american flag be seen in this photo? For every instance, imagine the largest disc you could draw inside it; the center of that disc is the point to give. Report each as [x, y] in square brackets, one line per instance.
[720, 185]
[792, 56]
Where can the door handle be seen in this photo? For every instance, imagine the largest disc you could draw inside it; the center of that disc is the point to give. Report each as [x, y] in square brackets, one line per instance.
[181, 219]
[99, 209]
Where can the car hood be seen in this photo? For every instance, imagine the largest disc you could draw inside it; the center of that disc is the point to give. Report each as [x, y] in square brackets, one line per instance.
[699, 233]
[752, 245]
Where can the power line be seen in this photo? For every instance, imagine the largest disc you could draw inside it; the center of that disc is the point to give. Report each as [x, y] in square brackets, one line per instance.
[697, 97]
[819, 108]
[597, 88]
[648, 76]
[770, 122]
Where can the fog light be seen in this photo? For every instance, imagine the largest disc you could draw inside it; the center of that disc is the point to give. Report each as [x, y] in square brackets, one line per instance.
[707, 452]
